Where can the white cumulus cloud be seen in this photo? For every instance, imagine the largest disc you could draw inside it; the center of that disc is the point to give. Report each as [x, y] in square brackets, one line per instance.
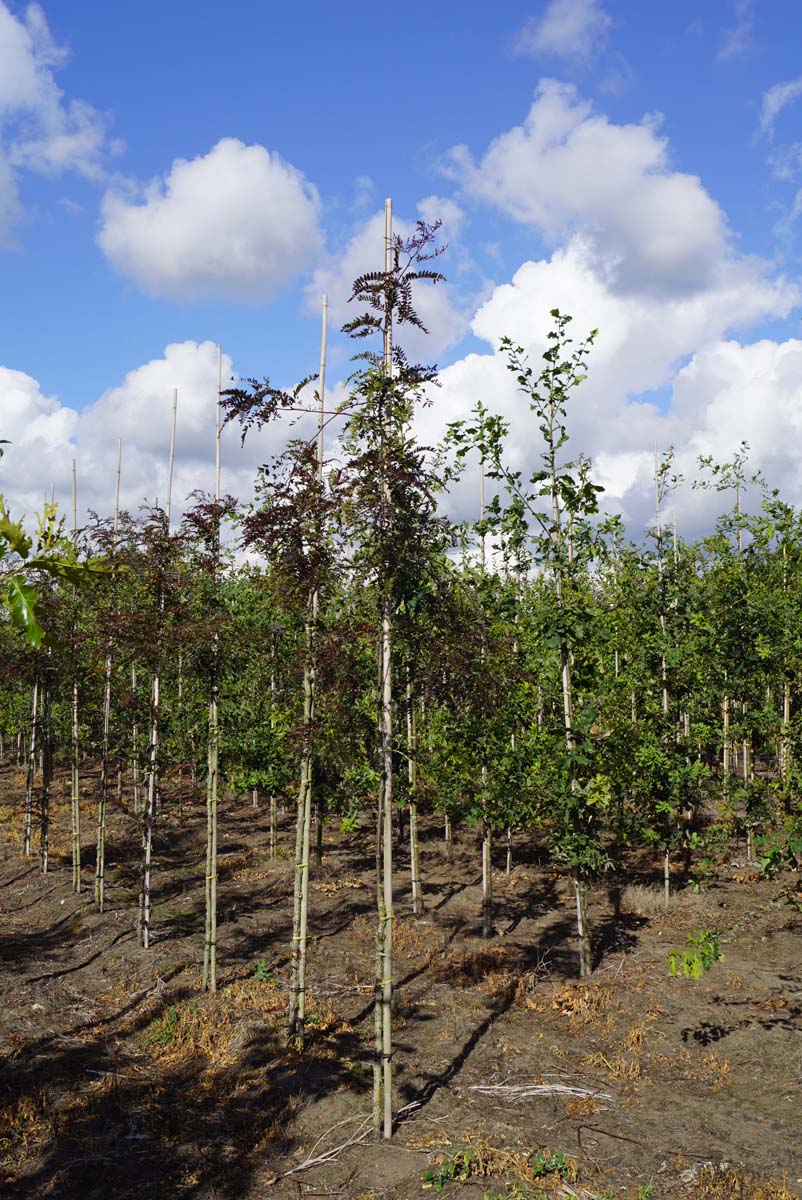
[40, 130]
[238, 222]
[566, 168]
[662, 372]
[45, 435]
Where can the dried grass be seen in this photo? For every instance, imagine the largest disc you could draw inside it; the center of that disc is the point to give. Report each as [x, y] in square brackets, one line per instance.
[518, 1168]
[583, 1003]
[581, 1106]
[618, 1066]
[714, 1183]
[339, 885]
[25, 1125]
[642, 901]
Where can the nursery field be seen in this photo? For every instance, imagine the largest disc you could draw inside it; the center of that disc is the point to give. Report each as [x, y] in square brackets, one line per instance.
[513, 1078]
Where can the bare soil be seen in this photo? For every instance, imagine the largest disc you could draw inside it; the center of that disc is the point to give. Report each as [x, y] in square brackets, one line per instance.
[120, 1079]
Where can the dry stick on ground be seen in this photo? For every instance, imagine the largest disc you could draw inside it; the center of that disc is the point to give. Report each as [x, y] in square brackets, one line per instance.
[308, 1162]
[524, 1091]
[100, 845]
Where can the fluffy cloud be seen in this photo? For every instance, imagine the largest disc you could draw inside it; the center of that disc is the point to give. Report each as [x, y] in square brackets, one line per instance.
[661, 373]
[567, 29]
[446, 320]
[238, 221]
[46, 435]
[651, 229]
[39, 129]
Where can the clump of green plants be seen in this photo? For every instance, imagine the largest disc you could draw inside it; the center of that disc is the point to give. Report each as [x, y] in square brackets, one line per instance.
[164, 1032]
[702, 950]
[543, 1162]
[523, 1173]
[456, 1167]
[263, 974]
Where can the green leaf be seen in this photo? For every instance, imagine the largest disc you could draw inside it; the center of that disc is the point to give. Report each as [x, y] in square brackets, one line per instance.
[14, 534]
[22, 602]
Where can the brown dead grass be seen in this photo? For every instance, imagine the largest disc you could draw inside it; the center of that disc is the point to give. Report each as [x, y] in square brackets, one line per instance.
[711, 1183]
[583, 1003]
[24, 1126]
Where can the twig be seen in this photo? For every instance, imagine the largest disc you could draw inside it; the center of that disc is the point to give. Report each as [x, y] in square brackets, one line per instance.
[523, 1092]
[620, 1137]
[359, 1136]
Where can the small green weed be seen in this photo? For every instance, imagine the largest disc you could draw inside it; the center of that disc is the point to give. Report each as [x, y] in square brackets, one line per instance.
[702, 950]
[544, 1163]
[263, 974]
[455, 1168]
[165, 1031]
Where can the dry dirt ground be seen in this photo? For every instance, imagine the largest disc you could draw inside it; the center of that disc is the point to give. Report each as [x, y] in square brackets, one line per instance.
[513, 1079]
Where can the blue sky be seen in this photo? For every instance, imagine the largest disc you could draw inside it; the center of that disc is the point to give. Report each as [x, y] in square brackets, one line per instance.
[349, 110]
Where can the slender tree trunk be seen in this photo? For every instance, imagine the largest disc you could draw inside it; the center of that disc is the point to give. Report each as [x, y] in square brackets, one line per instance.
[31, 768]
[667, 876]
[47, 769]
[137, 786]
[273, 814]
[583, 928]
[75, 785]
[100, 844]
[150, 816]
[75, 793]
[487, 880]
[152, 798]
[725, 741]
[298, 952]
[785, 742]
[386, 745]
[209, 979]
[412, 777]
[378, 1078]
[387, 872]
[580, 890]
[319, 820]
